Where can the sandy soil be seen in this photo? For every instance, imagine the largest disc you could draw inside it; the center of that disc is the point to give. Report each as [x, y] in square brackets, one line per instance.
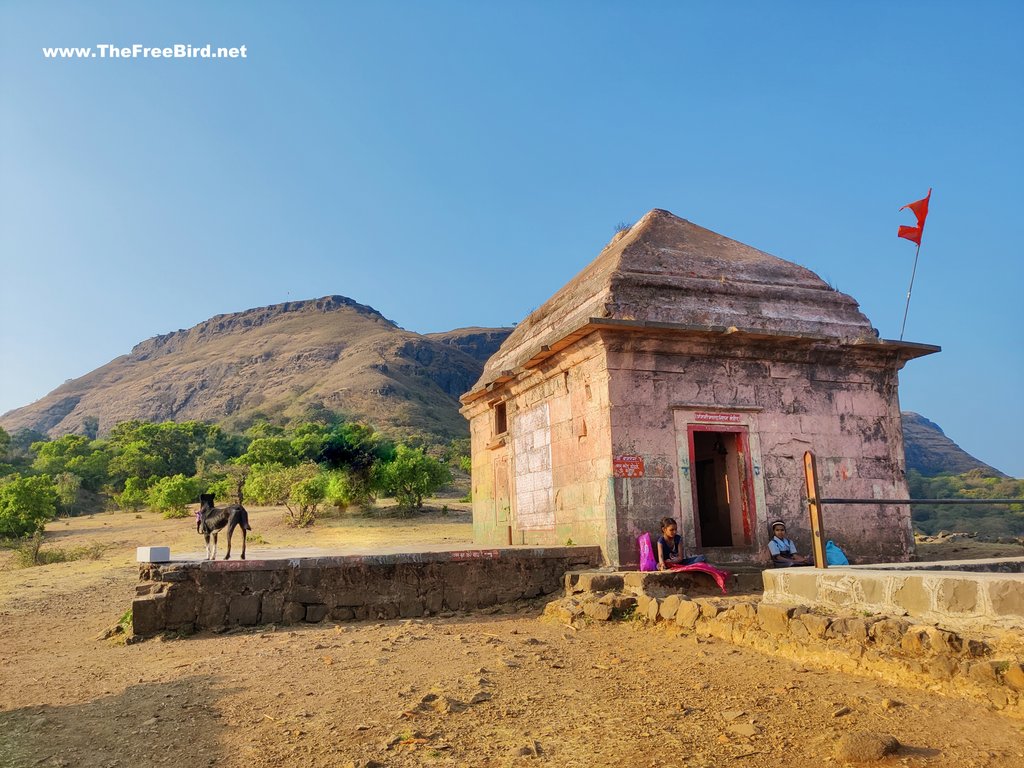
[488, 689]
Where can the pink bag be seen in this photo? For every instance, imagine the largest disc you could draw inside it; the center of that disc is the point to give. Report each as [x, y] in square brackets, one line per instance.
[647, 561]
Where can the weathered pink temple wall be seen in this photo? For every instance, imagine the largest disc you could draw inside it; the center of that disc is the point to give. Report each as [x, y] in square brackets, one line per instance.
[675, 340]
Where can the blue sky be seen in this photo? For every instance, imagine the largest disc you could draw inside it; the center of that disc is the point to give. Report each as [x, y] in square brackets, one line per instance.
[454, 164]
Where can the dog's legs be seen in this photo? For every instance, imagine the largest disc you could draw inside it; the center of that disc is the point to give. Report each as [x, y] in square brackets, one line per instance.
[214, 557]
[231, 531]
[245, 529]
[207, 537]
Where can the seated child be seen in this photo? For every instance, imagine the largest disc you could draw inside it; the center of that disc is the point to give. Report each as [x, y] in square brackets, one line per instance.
[670, 547]
[783, 550]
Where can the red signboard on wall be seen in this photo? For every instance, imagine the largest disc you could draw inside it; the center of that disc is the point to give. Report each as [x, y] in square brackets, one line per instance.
[628, 466]
[717, 418]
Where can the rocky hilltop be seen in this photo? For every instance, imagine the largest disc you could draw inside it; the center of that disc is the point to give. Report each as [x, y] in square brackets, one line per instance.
[930, 452]
[284, 362]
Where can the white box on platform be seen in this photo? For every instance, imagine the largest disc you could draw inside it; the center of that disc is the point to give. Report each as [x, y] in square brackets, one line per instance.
[153, 554]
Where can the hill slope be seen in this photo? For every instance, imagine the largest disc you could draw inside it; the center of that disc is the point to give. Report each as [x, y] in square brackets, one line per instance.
[930, 452]
[284, 362]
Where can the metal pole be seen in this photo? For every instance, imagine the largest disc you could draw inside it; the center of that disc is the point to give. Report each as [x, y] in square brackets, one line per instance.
[911, 288]
[814, 510]
[921, 501]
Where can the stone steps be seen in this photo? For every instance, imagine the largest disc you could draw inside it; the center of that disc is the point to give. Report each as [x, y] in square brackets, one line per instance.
[660, 583]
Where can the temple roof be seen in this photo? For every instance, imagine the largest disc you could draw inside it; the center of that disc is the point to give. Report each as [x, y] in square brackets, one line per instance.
[666, 270]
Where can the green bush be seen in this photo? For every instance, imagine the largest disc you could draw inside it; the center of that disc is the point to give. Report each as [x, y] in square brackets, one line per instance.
[221, 489]
[26, 505]
[69, 487]
[135, 494]
[337, 491]
[304, 499]
[413, 475]
[172, 495]
[300, 489]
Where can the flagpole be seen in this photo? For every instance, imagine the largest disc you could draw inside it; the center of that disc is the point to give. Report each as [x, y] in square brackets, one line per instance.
[911, 288]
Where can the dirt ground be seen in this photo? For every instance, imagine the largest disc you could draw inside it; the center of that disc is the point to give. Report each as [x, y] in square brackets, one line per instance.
[486, 689]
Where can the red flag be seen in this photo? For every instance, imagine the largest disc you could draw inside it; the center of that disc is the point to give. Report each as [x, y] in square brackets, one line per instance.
[920, 209]
[913, 234]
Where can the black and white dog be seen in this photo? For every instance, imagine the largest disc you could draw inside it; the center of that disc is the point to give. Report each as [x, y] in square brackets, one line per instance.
[210, 520]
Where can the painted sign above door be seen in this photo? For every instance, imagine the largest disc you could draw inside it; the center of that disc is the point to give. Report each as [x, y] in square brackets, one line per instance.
[717, 418]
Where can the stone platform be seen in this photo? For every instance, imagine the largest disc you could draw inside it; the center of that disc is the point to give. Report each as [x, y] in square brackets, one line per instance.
[659, 583]
[951, 592]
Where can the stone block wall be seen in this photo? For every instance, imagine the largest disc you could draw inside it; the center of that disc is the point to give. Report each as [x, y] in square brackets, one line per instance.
[574, 390]
[988, 599]
[191, 596]
[839, 403]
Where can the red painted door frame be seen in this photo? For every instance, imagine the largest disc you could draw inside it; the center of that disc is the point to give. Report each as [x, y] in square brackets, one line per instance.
[746, 485]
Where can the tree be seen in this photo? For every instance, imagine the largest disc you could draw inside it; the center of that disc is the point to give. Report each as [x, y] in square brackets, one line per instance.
[305, 497]
[263, 428]
[135, 494]
[270, 483]
[338, 489]
[73, 453]
[171, 495]
[226, 480]
[300, 489]
[357, 448]
[413, 475]
[26, 504]
[5, 444]
[141, 449]
[307, 441]
[270, 450]
[68, 486]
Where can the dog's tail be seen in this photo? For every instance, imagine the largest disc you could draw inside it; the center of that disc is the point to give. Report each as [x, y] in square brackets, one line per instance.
[245, 520]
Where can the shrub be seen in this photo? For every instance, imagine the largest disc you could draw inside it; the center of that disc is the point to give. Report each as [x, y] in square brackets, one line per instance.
[172, 495]
[68, 486]
[301, 489]
[338, 490]
[135, 494]
[30, 552]
[304, 498]
[221, 489]
[26, 505]
[413, 475]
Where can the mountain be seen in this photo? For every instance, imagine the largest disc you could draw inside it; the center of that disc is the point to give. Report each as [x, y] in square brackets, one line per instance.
[930, 452]
[298, 360]
[287, 362]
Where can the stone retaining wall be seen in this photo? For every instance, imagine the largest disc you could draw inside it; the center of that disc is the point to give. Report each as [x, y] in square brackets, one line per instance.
[955, 597]
[190, 596]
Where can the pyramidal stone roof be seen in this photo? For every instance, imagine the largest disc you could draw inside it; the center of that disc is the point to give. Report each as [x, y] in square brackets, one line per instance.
[665, 269]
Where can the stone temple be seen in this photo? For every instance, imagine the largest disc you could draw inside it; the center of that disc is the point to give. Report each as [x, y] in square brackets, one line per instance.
[684, 374]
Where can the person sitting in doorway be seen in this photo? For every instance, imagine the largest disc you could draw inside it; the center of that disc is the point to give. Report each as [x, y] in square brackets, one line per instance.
[670, 547]
[783, 550]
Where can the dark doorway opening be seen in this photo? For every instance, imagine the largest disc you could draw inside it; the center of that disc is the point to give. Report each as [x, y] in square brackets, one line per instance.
[722, 497]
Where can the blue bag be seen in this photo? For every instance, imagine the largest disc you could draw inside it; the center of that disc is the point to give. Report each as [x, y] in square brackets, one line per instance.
[834, 555]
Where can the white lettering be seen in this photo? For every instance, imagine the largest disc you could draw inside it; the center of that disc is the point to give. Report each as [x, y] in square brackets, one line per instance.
[140, 51]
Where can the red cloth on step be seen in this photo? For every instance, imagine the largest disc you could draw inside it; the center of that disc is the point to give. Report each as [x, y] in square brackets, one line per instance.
[717, 574]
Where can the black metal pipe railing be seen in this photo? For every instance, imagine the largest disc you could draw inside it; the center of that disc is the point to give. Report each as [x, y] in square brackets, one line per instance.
[920, 501]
